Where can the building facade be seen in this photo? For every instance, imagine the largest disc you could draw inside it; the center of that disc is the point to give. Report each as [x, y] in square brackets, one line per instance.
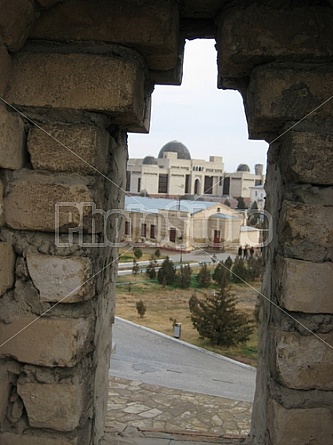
[179, 224]
[241, 182]
[174, 173]
[258, 195]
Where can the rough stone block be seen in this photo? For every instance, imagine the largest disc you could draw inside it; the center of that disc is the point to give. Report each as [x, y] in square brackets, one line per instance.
[40, 201]
[7, 267]
[46, 341]
[307, 157]
[300, 426]
[69, 148]
[47, 3]
[306, 286]
[144, 125]
[63, 279]
[5, 65]
[26, 439]
[16, 21]
[12, 141]
[306, 230]
[4, 391]
[252, 36]
[55, 406]
[304, 362]
[76, 81]
[311, 195]
[278, 95]
[149, 27]
[2, 211]
[199, 8]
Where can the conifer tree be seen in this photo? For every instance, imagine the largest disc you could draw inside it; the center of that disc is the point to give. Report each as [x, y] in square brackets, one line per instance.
[241, 203]
[137, 252]
[203, 277]
[240, 271]
[167, 273]
[141, 308]
[151, 269]
[221, 273]
[217, 319]
[135, 268]
[183, 277]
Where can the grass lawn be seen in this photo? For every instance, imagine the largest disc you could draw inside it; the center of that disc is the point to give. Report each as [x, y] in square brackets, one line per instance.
[167, 304]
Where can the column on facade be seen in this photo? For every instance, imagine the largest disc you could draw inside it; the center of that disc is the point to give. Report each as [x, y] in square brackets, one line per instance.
[63, 152]
[277, 59]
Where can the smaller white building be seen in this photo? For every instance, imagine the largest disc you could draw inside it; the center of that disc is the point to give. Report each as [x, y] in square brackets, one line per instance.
[258, 195]
[240, 183]
[179, 224]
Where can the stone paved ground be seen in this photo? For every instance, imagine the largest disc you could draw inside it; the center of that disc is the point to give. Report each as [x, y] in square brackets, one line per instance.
[133, 436]
[143, 414]
[158, 359]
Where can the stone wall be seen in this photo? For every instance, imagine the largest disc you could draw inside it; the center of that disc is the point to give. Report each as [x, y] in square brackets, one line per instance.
[283, 75]
[57, 295]
[75, 77]
[63, 153]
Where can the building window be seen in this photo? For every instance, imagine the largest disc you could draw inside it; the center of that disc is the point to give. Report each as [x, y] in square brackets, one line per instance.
[221, 181]
[172, 235]
[218, 210]
[128, 181]
[143, 230]
[226, 186]
[163, 180]
[258, 182]
[217, 236]
[153, 231]
[187, 184]
[127, 228]
[197, 187]
[139, 185]
[208, 185]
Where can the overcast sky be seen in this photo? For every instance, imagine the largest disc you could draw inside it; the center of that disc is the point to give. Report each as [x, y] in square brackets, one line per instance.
[207, 120]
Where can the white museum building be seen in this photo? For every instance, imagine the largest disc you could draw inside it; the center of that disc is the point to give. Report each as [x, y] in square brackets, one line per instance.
[173, 174]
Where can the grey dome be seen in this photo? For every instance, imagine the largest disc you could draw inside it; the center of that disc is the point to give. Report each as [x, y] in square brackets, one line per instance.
[149, 160]
[243, 168]
[175, 147]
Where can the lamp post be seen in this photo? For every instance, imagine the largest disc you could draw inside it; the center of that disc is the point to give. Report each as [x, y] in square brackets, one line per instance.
[180, 238]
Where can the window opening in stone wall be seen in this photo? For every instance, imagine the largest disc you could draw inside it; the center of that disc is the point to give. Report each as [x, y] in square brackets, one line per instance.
[211, 124]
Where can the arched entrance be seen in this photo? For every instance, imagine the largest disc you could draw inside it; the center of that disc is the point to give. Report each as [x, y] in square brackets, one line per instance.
[197, 187]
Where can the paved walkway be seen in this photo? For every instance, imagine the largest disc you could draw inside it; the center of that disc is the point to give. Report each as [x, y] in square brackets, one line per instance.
[158, 359]
[141, 413]
[155, 407]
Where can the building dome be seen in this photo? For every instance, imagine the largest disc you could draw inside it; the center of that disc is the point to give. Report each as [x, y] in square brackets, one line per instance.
[149, 160]
[243, 168]
[175, 147]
